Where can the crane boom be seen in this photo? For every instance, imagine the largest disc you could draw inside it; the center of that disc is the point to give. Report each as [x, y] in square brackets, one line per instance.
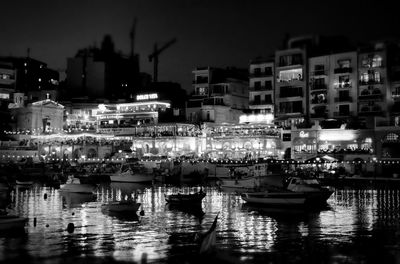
[154, 56]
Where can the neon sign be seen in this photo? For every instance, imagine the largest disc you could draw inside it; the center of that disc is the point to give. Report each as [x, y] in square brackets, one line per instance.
[304, 134]
[141, 97]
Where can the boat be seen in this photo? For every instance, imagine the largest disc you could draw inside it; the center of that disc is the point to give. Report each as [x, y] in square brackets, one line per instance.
[185, 199]
[73, 184]
[315, 193]
[275, 198]
[12, 222]
[246, 184]
[127, 206]
[132, 172]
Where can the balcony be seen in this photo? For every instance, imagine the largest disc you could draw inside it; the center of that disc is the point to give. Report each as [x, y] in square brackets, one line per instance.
[370, 111]
[263, 102]
[319, 73]
[316, 101]
[342, 70]
[200, 80]
[343, 113]
[344, 85]
[318, 87]
[261, 88]
[319, 115]
[260, 74]
[371, 82]
[343, 99]
[368, 97]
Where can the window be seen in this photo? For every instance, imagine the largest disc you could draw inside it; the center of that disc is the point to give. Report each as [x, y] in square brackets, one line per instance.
[364, 77]
[257, 99]
[290, 91]
[291, 107]
[268, 99]
[319, 67]
[4, 96]
[268, 71]
[291, 75]
[344, 109]
[365, 63]
[344, 81]
[202, 91]
[377, 61]
[391, 137]
[319, 81]
[377, 77]
[343, 94]
[257, 71]
[287, 60]
[268, 85]
[344, 64]
[257, 85]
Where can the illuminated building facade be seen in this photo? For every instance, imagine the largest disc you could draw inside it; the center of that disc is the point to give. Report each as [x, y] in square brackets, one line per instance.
[122, 118]
[291, 86]
[46, 116]
[220, 95]
[333, 86]
[242, 141]
[375, 94]
[261, 86]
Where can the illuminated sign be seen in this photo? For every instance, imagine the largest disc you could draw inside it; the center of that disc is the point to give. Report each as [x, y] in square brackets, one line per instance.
[304, 134]
[337, 135]
[260, 118]
[141, 97]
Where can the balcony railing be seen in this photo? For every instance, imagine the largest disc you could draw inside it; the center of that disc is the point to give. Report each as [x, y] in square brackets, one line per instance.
[319, 73]
[342, 70]
[371, 82]
[344, 85]
[263, 102]
[343, 99]
[318, 87]
[316, 101]
[343, 113]
[260, 74]
[370, 111]
[319, 115]
[368, 97]
[261, 88]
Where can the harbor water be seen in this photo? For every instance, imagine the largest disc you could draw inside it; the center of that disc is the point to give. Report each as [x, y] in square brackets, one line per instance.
[357, 226]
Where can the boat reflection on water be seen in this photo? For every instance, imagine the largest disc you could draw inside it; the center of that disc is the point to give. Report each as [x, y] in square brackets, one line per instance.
[195, 210]
[128, 188]
[72, 200]
[285, 214]
[122, 216]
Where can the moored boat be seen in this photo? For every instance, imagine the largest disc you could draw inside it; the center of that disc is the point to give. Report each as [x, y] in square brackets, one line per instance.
[249, 183]
[73, 184]
[315, 193]
[132, 172]
[185, 199]
[12, 222]
[275, 198]
[128, 206]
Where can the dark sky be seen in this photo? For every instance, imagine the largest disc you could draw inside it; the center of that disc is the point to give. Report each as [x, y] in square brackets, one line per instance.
[211, 32]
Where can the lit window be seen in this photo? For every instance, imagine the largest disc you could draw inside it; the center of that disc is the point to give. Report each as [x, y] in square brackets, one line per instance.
[392, 137]
[290, 75]
[377, 61]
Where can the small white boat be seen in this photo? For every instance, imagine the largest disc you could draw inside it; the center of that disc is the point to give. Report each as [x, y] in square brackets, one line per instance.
[132, 172]
[12, 222]
[129, 206]
[26, 183]
[237, 184]
[315, 193]
[281, 198]
[74, 184]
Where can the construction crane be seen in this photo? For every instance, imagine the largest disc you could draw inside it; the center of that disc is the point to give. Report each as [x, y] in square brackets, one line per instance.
[155, 54]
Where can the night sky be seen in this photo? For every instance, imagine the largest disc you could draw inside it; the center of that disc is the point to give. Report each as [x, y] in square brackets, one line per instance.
[212, 32]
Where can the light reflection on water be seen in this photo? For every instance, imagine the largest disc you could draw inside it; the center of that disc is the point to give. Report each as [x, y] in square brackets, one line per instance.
[165, 232]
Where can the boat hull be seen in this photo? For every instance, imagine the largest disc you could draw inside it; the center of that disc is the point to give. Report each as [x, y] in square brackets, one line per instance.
[249, 183]
[8, 222]
[77, 188]
[129, 177]
[275, 199]
[117, 207]
[184, 199]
